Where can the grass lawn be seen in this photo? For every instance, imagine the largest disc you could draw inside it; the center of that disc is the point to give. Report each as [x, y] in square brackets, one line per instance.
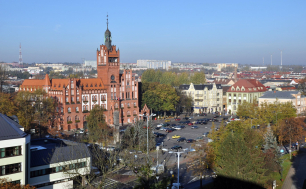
[286, 166]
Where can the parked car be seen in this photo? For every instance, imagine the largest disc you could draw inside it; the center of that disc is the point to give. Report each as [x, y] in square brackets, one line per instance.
[166, 124]
[199, 138]
[177, 119]
[167, 120]
[157, 128]
[189, 140]
[190, 124]
[194, 127]
[160, 135]
[177, 127]
[169, 130]
[176, 147]
[205, 134]
[186, 118]
[162, 128]
[182, 139]
[182, 126]
[191, 117]
[176, 136]
[81, 131]
[159, 125]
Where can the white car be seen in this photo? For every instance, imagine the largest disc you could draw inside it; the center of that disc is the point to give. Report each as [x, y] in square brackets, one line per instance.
[177, 127]
[82, 131]
[159, 125]
[165, 149]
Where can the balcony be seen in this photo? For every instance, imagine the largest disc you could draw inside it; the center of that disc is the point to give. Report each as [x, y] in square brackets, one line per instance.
[199, 95]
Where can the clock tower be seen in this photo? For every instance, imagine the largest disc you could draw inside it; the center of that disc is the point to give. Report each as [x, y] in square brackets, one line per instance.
[108, 64]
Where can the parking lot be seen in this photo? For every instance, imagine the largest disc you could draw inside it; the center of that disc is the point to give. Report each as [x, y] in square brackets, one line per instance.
[186, 132]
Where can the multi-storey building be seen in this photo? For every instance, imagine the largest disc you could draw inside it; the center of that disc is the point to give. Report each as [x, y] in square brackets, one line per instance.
[14, 151]
[244, 90]
[206, 98]
[39, 162]
[295, 97]
[111, 90]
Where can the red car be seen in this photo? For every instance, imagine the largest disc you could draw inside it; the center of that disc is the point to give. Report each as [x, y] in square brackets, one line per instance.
[190, 124]
[177, 119]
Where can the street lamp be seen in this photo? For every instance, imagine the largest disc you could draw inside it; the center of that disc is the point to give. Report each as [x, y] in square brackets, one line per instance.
[148, 117]
[178, 164]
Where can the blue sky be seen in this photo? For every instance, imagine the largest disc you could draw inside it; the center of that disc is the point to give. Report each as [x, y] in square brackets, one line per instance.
[180, 31]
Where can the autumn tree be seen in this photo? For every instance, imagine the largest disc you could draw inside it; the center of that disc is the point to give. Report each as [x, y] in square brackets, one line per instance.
[198, 163]
[7, 105]
[302, 86]
[3, 76]
[24, 101]
[291, 130]
[6, 183]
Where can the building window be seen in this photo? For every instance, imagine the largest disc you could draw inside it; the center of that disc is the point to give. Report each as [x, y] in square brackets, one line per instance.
[10, 169]
[77, 109]
[67, 99]
[69, 110]
[9, 152]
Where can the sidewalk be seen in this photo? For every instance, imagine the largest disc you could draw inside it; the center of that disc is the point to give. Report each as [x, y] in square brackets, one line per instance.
[297, 172]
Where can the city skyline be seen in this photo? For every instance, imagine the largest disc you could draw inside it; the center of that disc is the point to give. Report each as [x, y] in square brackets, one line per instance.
[210, 32]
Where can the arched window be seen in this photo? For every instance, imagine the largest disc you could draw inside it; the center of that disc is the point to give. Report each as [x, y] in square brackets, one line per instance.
[134, 112]
[68, 118]
[84, 118]
[77, 109]
[128, 113]
[134, 104]
[69, 110]
[77, 118]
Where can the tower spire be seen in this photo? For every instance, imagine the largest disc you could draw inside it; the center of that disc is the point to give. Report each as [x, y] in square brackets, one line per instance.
[107, 20]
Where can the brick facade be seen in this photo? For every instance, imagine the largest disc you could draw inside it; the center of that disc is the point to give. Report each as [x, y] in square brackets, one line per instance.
[111, 90]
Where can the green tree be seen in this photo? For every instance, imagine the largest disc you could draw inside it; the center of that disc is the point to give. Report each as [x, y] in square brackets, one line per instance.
[56, 75]
[168, 78]
[97, 127]
[272, 152]
[198, 78]
[148, 76]
[182, 78]
[241, 158]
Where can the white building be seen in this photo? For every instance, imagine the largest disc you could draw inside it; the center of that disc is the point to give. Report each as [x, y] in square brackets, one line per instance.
[225, 65]
[40, 162]
[14, 151]
[154, 64]
[91, 63]
[49, 159]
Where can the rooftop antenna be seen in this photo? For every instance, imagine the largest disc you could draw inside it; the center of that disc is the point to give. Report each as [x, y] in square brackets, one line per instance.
[263, 61]
[271, 59]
